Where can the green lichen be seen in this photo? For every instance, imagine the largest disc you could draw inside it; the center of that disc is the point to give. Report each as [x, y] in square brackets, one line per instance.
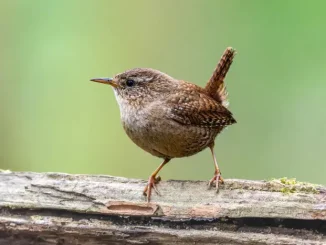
[286, 181]
[291, 185]
[287, 190]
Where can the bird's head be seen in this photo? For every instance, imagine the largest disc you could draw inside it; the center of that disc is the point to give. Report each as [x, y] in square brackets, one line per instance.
[140, 84]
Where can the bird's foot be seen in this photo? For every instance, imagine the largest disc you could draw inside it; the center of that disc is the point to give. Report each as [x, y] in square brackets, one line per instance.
[151, 184]
[217, 179]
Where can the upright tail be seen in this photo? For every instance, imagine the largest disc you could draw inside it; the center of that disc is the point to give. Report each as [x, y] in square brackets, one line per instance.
[215, 87]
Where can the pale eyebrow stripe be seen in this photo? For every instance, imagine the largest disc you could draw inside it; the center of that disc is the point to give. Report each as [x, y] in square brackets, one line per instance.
[148, 79]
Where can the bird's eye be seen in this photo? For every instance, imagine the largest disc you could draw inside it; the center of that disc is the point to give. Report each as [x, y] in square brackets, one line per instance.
[130, 83]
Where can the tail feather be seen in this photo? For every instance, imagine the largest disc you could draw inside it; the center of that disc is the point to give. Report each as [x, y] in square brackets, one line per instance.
[215, 87]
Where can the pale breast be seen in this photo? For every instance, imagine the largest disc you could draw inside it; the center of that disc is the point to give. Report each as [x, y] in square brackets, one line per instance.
[159, 135]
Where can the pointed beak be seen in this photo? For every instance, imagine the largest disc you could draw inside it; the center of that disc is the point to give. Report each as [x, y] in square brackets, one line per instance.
[109, 81]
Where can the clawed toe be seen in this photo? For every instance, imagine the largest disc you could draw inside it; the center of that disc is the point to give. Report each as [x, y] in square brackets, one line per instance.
[217, 179]
[152, 182]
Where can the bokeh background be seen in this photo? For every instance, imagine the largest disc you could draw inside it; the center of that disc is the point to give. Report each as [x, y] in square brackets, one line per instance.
[54, 119]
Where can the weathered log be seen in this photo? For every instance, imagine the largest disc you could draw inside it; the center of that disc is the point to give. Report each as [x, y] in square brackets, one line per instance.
[54, 208]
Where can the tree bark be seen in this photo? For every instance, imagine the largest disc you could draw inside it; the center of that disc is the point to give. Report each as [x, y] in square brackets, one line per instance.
[55, 208]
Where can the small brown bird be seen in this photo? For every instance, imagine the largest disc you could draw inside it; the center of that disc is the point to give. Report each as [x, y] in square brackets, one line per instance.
[172, 118]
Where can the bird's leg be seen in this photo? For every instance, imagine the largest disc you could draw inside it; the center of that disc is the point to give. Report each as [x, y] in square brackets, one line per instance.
[153, 180]
[217, 175]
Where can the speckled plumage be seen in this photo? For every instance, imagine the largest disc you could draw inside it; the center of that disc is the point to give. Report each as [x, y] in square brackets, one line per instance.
[171, 118]
[179, 123]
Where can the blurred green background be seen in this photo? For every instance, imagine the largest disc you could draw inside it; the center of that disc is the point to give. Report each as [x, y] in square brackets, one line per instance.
[54, 119]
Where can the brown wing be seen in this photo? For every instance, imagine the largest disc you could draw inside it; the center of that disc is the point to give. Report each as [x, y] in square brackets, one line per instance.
[198, 109]
[216, 87]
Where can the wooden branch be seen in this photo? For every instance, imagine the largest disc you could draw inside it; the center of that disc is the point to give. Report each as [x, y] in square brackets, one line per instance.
[53, 208]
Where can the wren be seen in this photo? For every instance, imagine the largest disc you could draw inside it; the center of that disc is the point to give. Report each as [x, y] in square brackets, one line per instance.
[172, 118]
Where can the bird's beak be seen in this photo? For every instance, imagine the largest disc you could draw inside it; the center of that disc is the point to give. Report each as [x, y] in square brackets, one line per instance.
[109, 81]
